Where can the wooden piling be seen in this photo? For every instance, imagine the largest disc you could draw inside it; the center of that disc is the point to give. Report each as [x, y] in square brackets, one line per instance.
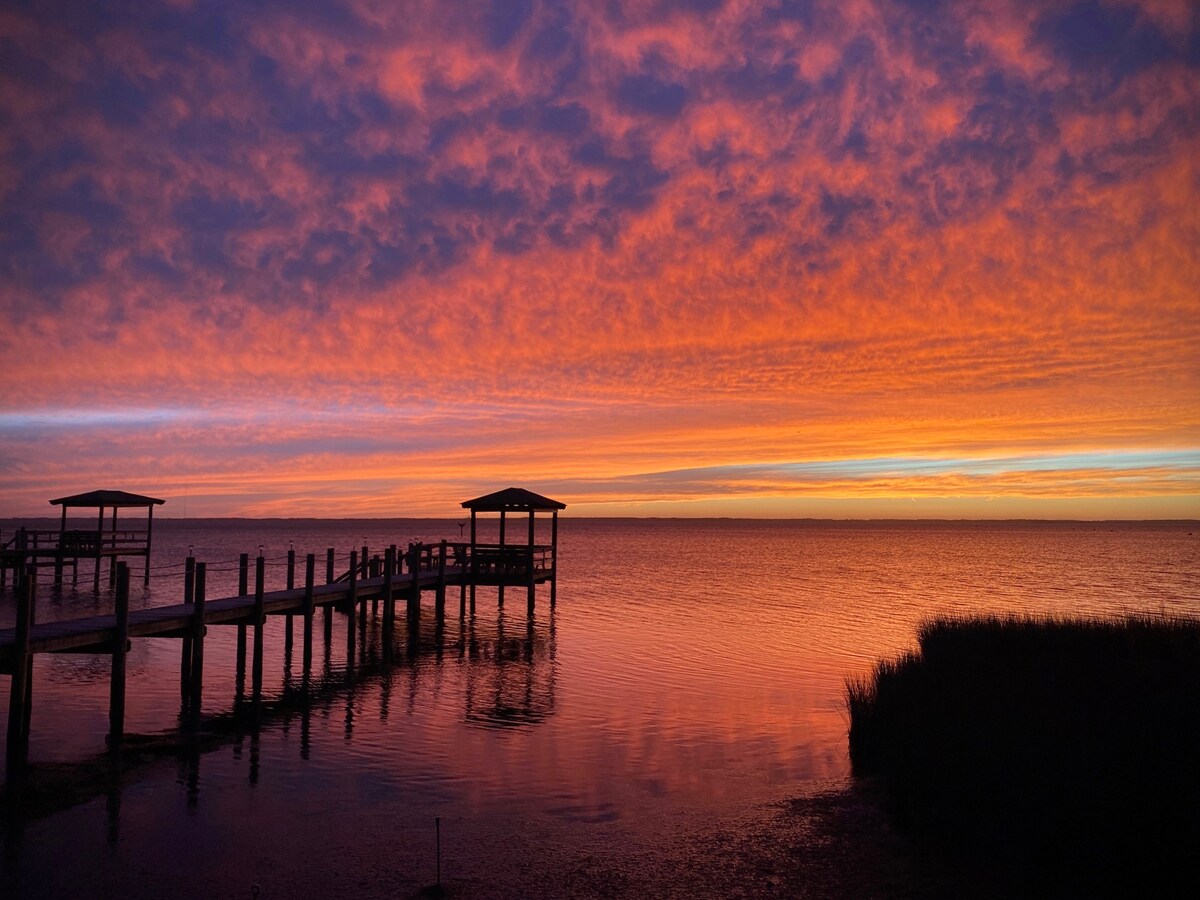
[501, 567]
[18, 732]
[376, 572]
[414, 591]
[185, 655]
[291, 583]
[554, 559]
[259, 620]
[196, 686]
[327, 611]
[532, 585]
[310, 571]
[351, 606]
[389, 600]
[239, 672]
[440, 602]
[116, 692]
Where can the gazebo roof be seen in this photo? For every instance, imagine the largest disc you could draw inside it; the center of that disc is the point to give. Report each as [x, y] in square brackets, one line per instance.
[98, 499]
[512, 499]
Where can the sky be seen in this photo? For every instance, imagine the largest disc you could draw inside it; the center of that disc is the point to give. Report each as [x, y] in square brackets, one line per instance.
[707, 257]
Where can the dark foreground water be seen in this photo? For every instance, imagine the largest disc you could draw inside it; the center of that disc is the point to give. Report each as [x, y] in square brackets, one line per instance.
[676, 725]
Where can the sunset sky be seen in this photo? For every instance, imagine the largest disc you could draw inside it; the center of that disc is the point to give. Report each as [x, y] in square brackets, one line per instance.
[649, 258]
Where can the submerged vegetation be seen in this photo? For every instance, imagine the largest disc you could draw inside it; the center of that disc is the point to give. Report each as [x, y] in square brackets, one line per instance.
[1060, 753]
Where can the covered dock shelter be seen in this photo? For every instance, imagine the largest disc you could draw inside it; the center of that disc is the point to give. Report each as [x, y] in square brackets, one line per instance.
[519, 564]
[100, 544]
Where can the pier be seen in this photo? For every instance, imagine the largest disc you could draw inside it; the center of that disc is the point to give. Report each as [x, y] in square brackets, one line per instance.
[372, 584]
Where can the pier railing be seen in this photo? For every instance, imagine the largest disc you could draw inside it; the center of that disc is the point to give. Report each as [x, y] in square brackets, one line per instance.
[488, 560]
[84, 541]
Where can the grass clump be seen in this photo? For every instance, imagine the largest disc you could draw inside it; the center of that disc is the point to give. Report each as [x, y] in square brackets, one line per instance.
[1064, 753]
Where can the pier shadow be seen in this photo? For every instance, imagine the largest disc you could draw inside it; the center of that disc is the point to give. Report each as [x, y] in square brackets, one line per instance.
[510, 682]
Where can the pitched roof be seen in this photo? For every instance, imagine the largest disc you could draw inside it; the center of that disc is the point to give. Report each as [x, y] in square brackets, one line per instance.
[512, 498]
[107, 498]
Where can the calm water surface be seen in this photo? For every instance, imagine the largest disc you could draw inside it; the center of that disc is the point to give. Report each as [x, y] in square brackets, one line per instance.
[690, 678]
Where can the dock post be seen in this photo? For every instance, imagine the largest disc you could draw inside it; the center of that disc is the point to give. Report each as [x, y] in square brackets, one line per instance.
[19, 693]
[327, 610]
[310, 572]
[198, 631]
[256, 671]
[532, 583]
[291, 584]
[554, 559]
[351, 604]
[376, 572]
[414, 592]
[120, 647]
[185, 656]
[239, 675]
[389, 601]
[441, 582]
[532, 574]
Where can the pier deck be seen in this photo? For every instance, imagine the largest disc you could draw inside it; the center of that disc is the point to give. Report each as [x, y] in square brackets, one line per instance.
[97, 633]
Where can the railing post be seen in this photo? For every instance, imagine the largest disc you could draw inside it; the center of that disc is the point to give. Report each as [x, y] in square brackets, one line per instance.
[120, 646]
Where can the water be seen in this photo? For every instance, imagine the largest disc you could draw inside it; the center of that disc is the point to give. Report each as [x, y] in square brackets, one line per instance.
[688, 683]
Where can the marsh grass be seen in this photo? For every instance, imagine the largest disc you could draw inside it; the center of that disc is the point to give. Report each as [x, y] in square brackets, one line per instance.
[1059, 752]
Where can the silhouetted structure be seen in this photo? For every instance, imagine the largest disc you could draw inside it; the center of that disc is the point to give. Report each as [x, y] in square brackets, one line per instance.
[376, 579]
[31, 547]
[516, 564]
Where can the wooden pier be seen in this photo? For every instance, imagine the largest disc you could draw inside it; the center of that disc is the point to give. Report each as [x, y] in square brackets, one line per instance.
[380, 580]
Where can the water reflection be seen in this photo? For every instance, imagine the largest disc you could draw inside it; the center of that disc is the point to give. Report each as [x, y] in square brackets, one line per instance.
[510, 680]
[505, 668]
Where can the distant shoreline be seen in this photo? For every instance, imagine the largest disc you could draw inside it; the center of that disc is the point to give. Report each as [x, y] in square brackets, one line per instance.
[164, 518]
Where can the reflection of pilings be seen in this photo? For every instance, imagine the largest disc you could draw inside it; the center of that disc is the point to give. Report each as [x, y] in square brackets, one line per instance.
[116, 683]
[21, 690]
[511, 699]
[519, 691]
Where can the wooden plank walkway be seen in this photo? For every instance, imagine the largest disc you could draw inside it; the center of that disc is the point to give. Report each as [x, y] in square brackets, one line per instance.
[96, 633]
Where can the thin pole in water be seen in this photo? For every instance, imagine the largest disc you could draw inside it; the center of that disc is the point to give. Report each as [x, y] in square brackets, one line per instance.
[437, 824]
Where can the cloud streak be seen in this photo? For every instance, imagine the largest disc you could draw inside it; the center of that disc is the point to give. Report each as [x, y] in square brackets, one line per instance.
[447, 247]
